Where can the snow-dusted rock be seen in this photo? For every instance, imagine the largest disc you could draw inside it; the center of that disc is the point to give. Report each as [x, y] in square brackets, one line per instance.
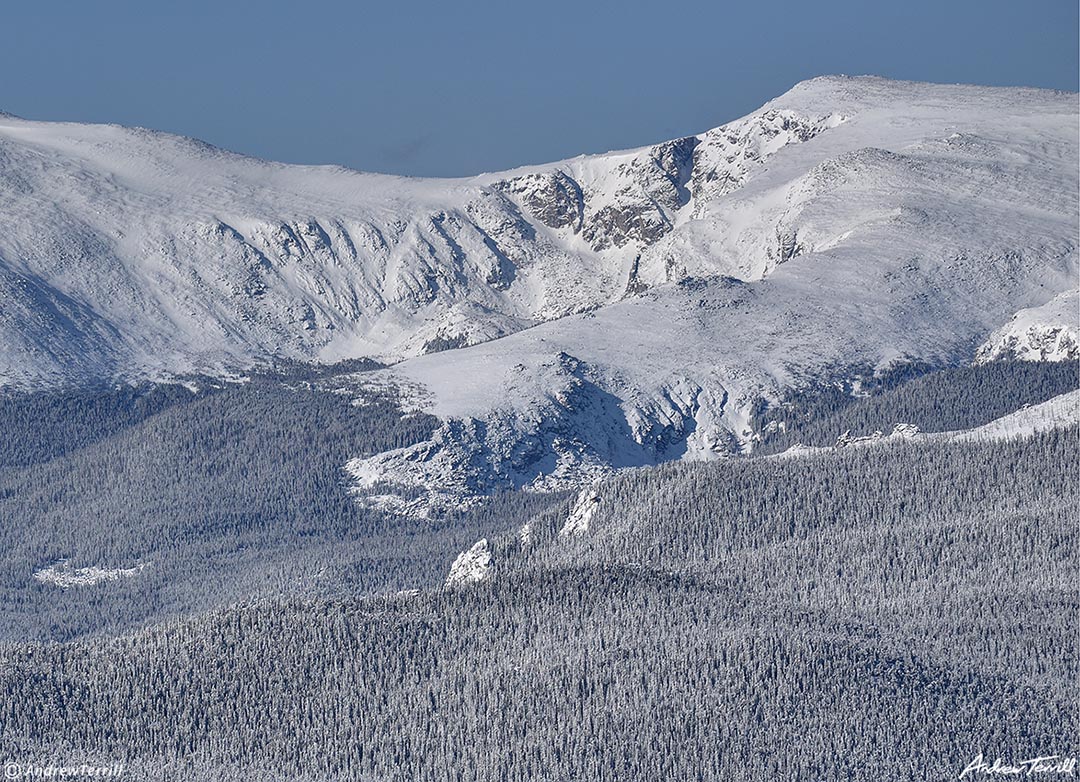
[910, 230]
[581, 513]
[901, 431]
[471, 566]
[905, 431]
[63, 575]
[1050, 332]
[132, 251]
[565, 319]
[846, 440]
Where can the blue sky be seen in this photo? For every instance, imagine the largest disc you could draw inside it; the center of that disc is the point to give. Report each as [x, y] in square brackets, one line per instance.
[450, 89]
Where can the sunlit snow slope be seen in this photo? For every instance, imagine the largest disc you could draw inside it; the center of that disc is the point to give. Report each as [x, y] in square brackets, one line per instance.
[918, 224]
[622, 309]
[124, 249]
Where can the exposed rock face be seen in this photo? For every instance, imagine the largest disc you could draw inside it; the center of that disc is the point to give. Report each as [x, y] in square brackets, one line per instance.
[470, 566]
[847, 439]
[905, 431]
[728, 155]
[581, 513]
[553, 198]
[632, 201]
[1037, 343]
[640, 197]
[567, 319]
[1047, 333]
[901, 431]
[569, 436]
[144, 252]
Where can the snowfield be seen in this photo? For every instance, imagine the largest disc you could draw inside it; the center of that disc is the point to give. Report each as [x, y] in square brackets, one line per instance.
[1057, 413]
[562, 320]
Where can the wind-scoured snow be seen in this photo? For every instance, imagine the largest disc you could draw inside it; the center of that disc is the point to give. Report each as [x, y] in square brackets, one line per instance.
[911, 230]
[127, 250]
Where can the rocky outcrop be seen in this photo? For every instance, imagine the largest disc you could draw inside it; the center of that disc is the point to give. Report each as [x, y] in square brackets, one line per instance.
[581, 513]
[553, 198]
[471, 566]
[1047, 333]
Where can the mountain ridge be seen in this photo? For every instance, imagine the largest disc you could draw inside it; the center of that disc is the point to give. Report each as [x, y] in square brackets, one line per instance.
[475, 258]
[566, 318]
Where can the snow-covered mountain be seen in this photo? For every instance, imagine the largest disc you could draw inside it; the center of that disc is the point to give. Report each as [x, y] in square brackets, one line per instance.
[124, 249]
[621, 309]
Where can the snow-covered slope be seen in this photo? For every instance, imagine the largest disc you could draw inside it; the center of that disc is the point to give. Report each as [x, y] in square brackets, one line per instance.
[1057, 413]
[622, 309]
[913, 223]
[128, 250]
[125, 250]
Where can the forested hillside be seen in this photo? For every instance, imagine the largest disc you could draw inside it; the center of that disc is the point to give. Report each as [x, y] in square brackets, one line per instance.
[124, 505]
[948, 399]
[171, 500]
[868, 614]
[747, 450]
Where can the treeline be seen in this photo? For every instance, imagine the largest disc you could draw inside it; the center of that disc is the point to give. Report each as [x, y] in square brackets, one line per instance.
[880, 613]
[943, 400]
